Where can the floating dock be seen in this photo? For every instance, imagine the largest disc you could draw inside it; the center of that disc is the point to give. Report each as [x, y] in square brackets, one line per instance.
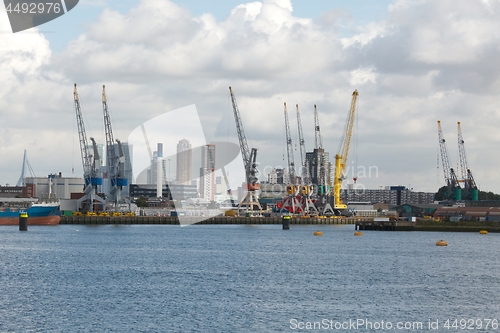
[392, 225]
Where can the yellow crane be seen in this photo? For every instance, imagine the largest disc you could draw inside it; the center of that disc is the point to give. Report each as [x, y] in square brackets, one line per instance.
[342, 155]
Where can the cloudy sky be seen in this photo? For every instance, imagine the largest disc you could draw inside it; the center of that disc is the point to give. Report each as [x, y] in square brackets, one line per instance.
[413, 63]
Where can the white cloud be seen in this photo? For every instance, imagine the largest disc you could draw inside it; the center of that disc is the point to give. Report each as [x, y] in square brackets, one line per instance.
[361, 76]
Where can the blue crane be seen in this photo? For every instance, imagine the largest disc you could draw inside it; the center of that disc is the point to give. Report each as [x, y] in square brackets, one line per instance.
[115, 157]
[90, 161]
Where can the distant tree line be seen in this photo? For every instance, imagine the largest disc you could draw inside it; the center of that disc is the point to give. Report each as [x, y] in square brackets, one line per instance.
[483, 195]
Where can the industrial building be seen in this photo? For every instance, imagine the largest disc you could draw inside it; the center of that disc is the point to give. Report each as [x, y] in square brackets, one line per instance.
[416, 210]
[59, 186]
[391, 195]
[278, 176]
[13, 191]
[456, 214]
[270, 190]
[169, 191]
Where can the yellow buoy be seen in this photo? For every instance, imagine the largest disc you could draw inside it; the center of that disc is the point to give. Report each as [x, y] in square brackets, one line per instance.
[483, 232]
[358, 233]
[441, 243]
[318, 233]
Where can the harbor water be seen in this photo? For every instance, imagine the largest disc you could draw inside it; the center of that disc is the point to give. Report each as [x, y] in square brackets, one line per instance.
[238, 278]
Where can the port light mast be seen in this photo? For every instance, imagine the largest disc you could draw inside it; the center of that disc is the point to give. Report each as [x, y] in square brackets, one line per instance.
[342, 156]
[115, 156]
[249, 162]
[470, 191]
[454, 191]
[91, 168]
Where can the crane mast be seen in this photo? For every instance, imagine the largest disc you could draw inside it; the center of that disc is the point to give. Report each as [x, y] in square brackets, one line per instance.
[249, 162]
[245, 152]
[289, 148]
[91, 170]
[343, 154]
[115, 156]
[84, 147]
[470, 187]
[318, 141]
[305, 169]
[453, 187]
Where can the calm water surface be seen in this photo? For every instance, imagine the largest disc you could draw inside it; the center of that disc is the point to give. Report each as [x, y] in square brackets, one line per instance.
[74, 278]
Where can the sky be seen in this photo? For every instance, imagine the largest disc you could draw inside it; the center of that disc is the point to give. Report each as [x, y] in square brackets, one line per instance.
[412, 62]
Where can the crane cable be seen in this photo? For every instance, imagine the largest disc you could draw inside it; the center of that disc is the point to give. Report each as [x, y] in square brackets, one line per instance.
[355, 134]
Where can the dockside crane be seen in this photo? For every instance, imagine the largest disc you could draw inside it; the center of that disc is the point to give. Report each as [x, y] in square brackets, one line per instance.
[290, 203]
[91, 167]
[115, 157]
[454, 191]
[249, 161]
[470, 191]
[306, 189]
[342, 156]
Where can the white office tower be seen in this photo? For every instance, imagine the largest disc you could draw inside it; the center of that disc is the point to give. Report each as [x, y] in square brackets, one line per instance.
[159, 170]
[207, 172]
[184, 162]
[272, 177]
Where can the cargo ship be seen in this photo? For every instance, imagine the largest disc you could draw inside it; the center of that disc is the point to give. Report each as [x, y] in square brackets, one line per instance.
[38, 214]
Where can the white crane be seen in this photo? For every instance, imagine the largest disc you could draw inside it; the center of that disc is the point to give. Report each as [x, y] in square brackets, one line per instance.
[249, 161]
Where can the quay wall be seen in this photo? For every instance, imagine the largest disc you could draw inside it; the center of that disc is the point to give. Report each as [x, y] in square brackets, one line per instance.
[214, 220]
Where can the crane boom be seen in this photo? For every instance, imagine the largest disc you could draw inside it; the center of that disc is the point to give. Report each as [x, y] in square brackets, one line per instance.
[289, 148]
[345, 143]
[245, 152]
[305, 171]
[343, 152]
[444, 154]
[453, 187]
[318, 141]
[84, 147]
[461, 153]
[110, 147]
[470, 187]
